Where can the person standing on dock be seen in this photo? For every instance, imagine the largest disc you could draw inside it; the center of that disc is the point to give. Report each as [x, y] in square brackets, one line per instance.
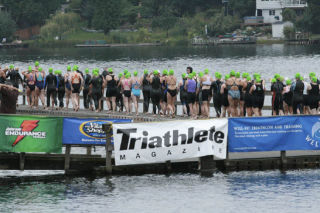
[67, 79]
[233, 85]
[183, 95]
[51, 88]
[146, 88]
[277, 89]
[61, 88]
[225, 102]
[155, 93]
[111, 93]
[191, 88]
[164, 90]
[172, 93]
[216, 90]
[287, 98]
[257, 91]
[30, 80]
[136, 91]
[206, 82]
[126, 88]
[248, 98]
[39, 90]
[96, 89]
[297, 100]
[313, 95]
[75, 80]
[87, 78]
[14, 76]
[119, 99]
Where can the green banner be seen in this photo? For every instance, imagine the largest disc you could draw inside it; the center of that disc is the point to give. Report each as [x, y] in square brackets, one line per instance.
[30, 134]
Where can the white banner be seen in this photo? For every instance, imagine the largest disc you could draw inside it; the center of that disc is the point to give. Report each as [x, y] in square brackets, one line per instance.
[143, 143]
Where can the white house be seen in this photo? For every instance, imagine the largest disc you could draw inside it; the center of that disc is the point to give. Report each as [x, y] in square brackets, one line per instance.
[271, 10]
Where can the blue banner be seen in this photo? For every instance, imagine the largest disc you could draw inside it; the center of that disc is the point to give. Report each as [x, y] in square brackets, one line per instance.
[86, 131]
[274, 134]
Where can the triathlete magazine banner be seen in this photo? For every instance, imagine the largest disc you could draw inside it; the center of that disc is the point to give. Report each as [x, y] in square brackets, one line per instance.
[274, 134]
[30, 134]
[142, 143]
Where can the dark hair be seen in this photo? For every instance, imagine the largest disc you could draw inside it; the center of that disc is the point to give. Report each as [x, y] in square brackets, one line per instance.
[190, 68]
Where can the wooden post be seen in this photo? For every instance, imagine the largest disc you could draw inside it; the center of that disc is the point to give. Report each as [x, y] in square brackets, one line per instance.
[108, 130]
[22, 156]
[207, 164]
[67, 158]
[89, 150]
[283, 160]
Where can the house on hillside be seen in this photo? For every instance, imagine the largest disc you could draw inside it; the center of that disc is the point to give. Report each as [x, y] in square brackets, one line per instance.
[271, 10]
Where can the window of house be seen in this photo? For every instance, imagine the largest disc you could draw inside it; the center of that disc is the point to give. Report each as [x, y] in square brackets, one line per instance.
[272, 12]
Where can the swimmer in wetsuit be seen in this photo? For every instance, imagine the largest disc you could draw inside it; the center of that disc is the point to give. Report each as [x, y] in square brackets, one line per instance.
[61, 88]
[51, 83]
[191, 88]
[146, 88]
[111, 94]
[297, 99]
[217, 97]
[96, 88]
[154, 79]
[171, 81]
[248, 99]
[257, 91]
[313, 95]
[39, 90]
[119, 99]
[86, 78]
[183, 94]
[67, 79]
[225, 102]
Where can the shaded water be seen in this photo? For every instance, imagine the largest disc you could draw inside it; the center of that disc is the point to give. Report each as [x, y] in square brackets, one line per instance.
[270, 191]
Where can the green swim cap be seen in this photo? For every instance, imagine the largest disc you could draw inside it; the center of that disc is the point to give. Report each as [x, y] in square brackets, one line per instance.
[125, 72]
[277, 76]
[298, 75]
[206, 71]
[238, 75]
[219, 76]
[30, 69]
[59, 72]
[110, 70]
[288, 82]
[311, 74]
[201, 74]
[145, 72]
[171, 72]
[314, 79]
[40, 69]
[194, 74]
[184, 75]
[128, 75]
[50, 70]
[86, 71]
[120, 75]
[135, 73]
[75, 68]
[216, 74]
[245, 75]
[273, 80]
[165, 72]
[56, 72]
[155, 72]
[190, 76]
[248, 78]
[255, 75]
[232, 73]
[36, 64]
[68, 68]
[258, 79]
[227, 76]
[281, 78]
[11, 66]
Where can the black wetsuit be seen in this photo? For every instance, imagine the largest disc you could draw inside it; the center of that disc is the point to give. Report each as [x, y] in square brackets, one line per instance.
[277, 98]
[61, 90]
[287, 97]
[96, 90]
[217, 97]
[313, 96]
[51, 86]
[258, 96]
[119, 99]
[297, 98]
[248, 99]
[86, 98]
[111, 87]
[156, 94]
[146, 89]
[15, 77]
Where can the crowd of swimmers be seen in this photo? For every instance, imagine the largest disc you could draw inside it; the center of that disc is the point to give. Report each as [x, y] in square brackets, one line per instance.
[233, 95]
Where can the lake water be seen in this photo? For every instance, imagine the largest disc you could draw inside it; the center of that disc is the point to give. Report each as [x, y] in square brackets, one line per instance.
[241, 192]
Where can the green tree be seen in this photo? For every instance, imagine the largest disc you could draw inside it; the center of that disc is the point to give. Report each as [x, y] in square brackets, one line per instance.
[243, 8]
[222, 24]
[60, 24]
[165, 21]
[289, 15]
[7, 25]
[107, 14]
[289, 32]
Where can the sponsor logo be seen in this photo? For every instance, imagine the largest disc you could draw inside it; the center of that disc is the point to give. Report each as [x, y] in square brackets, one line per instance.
[315, 132]
[26, 129]
[93, 129]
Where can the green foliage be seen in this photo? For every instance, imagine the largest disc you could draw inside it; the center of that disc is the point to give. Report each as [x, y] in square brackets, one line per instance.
[165, 21]
[60, 24]
[7, 25]
[289, 32]
[107, 14]
[289, 15]
[223, 24]
[27, 13]
[243, 8]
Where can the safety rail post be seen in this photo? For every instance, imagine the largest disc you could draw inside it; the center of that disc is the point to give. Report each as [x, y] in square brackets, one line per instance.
[109, 147]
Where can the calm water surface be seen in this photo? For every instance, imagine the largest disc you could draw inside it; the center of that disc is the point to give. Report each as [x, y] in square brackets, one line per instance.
[241, 192]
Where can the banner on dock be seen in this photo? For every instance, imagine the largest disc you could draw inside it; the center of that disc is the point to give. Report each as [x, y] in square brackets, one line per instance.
[274, 134]
[143, 143]
[30, 134]
[87, 131]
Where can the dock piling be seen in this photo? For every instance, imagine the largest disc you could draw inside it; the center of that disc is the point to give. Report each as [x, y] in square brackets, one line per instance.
[108, 130]
[22, 156]
[67, 158]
